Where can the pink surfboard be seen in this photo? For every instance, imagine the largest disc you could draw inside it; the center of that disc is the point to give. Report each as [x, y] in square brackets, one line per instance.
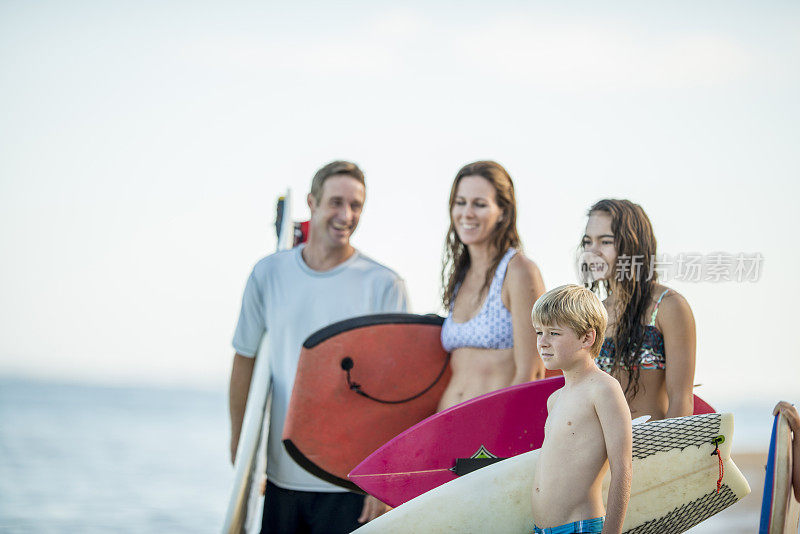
[453, 442]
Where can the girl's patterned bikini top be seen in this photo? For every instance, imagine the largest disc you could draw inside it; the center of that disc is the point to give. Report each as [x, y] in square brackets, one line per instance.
[652, 354]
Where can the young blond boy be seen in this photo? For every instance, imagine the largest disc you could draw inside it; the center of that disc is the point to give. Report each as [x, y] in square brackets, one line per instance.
[588, 425]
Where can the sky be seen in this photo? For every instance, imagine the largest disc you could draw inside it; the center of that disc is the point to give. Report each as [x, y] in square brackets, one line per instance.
[144, 144]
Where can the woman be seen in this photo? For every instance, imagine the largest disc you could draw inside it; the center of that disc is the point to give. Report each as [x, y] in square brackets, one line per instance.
[489, 288]
[650, 340]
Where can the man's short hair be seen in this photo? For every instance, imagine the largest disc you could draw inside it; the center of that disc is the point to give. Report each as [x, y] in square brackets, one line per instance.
[574, 307]
[331, 169]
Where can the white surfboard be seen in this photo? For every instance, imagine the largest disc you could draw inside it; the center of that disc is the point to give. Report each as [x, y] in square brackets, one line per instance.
[674, 486]
[246, 503]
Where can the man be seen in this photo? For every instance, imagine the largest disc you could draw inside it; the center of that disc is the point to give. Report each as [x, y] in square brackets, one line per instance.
[292, 294]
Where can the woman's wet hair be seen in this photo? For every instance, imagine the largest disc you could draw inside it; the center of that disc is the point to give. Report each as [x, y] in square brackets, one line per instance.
[456, 255]
[631, 280]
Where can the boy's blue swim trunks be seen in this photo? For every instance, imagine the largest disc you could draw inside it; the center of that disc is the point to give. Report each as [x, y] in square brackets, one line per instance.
[586, 526]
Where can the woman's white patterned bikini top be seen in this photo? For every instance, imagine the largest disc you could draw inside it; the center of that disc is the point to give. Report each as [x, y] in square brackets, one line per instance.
[491, 328]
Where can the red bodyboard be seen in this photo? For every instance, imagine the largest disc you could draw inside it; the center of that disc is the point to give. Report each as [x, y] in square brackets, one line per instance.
[331, 427]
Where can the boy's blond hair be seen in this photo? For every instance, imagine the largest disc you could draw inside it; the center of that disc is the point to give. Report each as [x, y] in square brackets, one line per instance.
[574, 307]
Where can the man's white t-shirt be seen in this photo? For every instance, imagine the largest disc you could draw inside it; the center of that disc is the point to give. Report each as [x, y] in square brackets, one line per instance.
[289, 301]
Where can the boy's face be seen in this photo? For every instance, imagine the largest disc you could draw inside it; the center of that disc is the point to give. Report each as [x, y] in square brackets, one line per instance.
[559, 346]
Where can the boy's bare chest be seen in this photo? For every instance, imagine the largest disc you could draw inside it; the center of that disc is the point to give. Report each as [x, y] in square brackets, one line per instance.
[571, 419]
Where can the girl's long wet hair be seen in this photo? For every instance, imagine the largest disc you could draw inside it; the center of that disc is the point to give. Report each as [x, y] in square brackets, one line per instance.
[631, 280]
[456, 255]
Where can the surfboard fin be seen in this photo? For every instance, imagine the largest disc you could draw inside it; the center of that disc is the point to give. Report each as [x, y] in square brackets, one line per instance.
[481, 458]
[468, 465]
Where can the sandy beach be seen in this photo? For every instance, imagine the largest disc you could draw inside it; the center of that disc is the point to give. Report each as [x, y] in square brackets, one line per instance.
[742, 517]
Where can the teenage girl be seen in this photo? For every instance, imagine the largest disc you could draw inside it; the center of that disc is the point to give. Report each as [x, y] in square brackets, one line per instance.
[650, 340]
[489, 288]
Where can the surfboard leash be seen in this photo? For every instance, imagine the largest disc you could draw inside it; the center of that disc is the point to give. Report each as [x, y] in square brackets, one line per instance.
[347, 364]
[716, 442]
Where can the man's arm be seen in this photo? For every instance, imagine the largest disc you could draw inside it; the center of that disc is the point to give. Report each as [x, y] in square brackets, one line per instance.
[615, 420]
[241, 374]
[522, 287]
[372, 508]
[249, 332]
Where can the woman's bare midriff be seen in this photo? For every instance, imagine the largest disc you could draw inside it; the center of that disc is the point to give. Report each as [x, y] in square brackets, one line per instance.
[476, 372]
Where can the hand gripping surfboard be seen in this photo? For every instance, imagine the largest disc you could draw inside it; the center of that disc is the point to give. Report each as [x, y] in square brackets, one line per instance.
[674, 486]
[500, 424]
[780, 510]
[245, 503]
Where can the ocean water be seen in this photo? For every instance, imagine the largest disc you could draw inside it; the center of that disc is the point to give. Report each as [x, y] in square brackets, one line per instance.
[87, 459]
[95, 459]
